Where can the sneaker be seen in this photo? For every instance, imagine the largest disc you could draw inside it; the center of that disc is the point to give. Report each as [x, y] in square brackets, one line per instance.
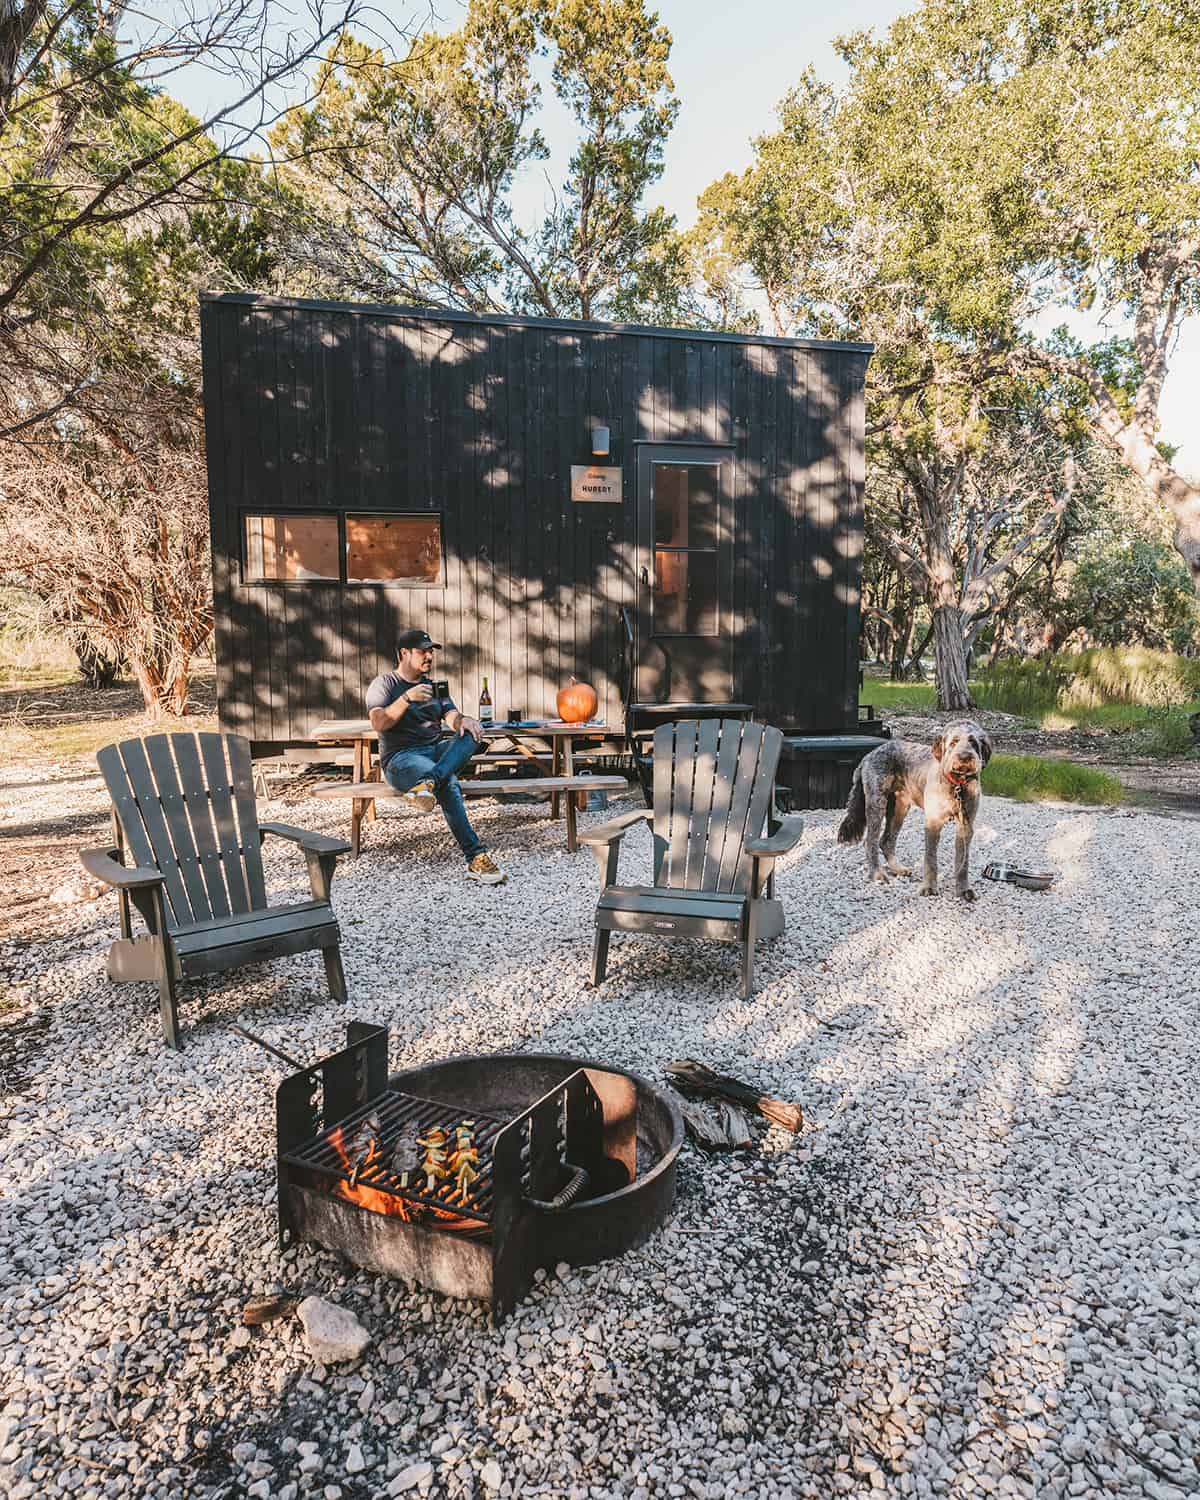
[485, 869]
[421, 796]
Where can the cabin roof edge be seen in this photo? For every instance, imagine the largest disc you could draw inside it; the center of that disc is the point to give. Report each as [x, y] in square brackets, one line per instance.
[449, 315]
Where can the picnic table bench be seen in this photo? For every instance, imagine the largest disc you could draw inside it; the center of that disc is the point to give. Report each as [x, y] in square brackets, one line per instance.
[547, 744]
[364, 794]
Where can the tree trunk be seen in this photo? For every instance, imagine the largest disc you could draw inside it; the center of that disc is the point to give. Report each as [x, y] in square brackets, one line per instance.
[148, 679]
[950, 659]
[96, 669]
[902, 628]
[913, 670]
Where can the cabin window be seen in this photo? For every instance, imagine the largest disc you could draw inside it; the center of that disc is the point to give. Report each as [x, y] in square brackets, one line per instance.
[394, 549]
[287, 549]
[374, 547]
[685, 549]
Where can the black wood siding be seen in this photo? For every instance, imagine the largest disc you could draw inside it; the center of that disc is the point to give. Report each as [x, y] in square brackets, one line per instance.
[334, 407]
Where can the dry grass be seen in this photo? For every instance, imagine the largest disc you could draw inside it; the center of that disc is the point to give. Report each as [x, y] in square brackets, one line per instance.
[47, 715]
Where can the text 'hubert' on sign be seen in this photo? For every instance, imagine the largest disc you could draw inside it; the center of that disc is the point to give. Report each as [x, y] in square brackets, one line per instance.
[591, 483]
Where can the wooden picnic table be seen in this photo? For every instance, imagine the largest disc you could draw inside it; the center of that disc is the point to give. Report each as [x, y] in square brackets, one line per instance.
[534, 740]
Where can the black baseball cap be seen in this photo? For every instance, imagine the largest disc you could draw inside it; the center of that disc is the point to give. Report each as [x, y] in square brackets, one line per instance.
[416, 640]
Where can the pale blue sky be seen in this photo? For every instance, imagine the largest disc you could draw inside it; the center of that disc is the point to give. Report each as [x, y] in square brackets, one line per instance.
[732, 63]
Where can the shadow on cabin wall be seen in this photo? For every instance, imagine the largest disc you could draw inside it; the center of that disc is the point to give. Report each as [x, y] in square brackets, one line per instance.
[314, 408]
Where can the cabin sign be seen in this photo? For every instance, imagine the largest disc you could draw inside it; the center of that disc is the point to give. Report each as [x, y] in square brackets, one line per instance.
[588, 482]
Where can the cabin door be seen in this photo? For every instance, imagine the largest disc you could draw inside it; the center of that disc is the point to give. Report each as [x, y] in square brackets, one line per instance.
[685, 574]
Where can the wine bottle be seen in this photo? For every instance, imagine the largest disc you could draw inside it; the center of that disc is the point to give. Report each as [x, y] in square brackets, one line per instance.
[485, 705]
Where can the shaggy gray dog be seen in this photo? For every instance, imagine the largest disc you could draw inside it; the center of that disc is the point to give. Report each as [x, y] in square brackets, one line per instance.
[944, 781]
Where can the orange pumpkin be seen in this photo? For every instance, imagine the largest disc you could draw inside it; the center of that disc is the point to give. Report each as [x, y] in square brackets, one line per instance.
[577, 702]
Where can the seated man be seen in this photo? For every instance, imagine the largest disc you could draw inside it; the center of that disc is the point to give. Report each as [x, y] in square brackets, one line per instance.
[415, 756]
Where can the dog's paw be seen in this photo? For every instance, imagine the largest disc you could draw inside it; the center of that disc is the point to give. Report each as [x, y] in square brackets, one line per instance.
[903, 871]
[927, 889]
[878, 876]
[969, 894]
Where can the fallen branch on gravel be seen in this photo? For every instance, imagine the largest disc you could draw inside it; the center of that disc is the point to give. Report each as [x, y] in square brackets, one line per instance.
[268, 1307]
[716, 1127]
[692, 1077]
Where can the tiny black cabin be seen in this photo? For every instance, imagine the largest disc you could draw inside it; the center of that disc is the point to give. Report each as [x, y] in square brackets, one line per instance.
[673, 516]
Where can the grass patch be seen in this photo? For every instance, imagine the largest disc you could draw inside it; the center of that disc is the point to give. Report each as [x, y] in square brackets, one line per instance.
[1090, 683]
[47, 715]
[1150, 694]
[885, 694]
[54, 742]
[1028, 778]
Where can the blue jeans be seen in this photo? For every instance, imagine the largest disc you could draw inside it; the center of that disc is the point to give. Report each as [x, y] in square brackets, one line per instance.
[438, 763]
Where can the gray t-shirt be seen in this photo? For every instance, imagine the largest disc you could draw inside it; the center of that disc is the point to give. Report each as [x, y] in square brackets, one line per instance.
[421, 724]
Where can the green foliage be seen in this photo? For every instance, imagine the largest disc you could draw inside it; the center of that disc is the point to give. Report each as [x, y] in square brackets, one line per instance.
[1027, 778]
[407, 166]
[1149, 678]
[987, 160]
[1090, 679]
[894, 697]
[1149, 694]
[1025, 687]
[1133, 592]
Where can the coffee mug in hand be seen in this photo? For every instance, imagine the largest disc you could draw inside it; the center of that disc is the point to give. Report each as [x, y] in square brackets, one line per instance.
[441, 691]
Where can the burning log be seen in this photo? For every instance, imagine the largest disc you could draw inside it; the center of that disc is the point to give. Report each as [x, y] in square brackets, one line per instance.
[697, 1078]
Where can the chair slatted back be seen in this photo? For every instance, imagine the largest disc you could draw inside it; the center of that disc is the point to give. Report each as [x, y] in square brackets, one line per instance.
[185, 804]
[713, 783]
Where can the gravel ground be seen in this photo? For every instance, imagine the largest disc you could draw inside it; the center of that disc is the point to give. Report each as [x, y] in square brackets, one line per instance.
[974, 1273]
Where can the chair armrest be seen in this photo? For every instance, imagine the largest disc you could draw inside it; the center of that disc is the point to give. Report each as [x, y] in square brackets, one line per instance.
[103, 865]
[785, 837]
[315, 843]
[615, 829]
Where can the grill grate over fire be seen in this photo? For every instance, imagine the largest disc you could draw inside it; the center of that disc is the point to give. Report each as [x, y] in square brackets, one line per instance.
[359, 1157]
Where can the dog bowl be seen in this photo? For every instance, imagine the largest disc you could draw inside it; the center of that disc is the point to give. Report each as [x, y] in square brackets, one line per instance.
[1028, 880]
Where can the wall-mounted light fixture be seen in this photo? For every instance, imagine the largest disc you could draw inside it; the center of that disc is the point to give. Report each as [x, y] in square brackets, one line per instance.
[600, 442]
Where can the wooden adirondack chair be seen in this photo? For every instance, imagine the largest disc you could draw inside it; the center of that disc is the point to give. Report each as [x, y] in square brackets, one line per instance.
[183, 807]
[713, 871]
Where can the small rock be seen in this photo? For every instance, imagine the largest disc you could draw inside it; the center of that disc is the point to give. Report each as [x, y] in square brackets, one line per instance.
[72, 892]
[332, 1333]
[355, 1461]
[663, 1341]
[491, 1475]
[409, 1478]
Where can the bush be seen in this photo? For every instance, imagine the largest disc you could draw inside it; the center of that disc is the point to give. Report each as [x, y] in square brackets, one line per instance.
[1026, 778]
[1027, 687]
[1130, 674]
[1089, 680]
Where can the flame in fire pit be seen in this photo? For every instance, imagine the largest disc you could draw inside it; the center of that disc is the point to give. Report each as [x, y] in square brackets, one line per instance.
[364, 1196]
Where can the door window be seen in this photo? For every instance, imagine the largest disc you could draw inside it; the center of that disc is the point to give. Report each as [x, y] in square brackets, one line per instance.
[685, 549]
